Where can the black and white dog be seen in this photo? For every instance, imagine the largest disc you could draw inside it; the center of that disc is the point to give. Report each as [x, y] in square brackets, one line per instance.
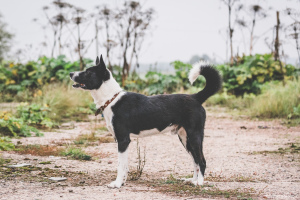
[127, 112]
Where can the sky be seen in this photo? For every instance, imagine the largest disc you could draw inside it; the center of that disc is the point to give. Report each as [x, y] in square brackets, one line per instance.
[181, 28]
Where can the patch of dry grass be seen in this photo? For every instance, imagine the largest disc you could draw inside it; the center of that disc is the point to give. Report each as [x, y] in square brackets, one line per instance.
[39, 150]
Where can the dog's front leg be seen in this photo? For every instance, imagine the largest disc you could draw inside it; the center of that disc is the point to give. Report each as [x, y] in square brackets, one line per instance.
[122, 164]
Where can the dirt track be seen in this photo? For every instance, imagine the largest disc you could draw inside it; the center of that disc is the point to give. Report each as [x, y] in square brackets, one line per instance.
[234, 151]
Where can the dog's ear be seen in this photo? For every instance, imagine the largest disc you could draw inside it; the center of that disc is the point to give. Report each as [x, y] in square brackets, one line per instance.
[102, 69]
[97, 60]
[101, 63]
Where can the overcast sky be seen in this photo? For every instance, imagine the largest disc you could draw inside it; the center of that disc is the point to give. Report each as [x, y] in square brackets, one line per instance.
[181, 29]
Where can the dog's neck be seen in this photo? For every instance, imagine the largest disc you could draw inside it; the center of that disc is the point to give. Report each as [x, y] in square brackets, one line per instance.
[106, 92]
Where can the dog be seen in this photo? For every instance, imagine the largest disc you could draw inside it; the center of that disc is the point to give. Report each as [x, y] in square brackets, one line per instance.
[128, 113]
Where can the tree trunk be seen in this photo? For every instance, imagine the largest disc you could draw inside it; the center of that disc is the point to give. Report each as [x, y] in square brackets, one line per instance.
[276, 43]
[54, 44]
[251, 34]
[96, 37]
[230, 34]
[79, 49]
[108, 45]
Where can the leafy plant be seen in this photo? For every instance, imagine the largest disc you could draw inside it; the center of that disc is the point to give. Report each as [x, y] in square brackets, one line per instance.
[252, 72]
[5, 144]
[35, 114]
[76, 153]
[12, 126]
[17, 77]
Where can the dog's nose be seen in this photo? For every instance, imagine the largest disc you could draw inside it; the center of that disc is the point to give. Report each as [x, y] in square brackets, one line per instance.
[71, 74]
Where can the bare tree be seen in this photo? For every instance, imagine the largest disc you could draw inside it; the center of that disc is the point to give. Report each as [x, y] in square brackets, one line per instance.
[294, 33]
[277, 43]
[107, 16]
[132, 24]
[230, 4]
[57, 22]
[78, 20]
[5, 39]
[61, 20]
[293, 30]
[257, 13]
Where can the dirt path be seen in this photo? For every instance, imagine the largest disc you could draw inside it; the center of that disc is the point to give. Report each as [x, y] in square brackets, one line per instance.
[242, 155]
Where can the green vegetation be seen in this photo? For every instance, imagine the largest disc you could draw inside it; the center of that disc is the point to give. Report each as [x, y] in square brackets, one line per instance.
[5, 144]
[251, 72]
[278, 100]
[179, 187]
[12, 126]
[252, 85]
[19, 80]
[76, 153]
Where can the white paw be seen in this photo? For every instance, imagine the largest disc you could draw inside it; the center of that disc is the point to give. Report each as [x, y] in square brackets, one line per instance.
[115, 184]
[198, 182]
[188, 179]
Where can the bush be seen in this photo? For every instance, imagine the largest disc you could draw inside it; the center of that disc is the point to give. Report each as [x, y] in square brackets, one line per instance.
[12, 126]
[35, 114]
[16, 77]
[5, 144]
[65, 101]
[77, 154]
[278, 100]
[252, 72]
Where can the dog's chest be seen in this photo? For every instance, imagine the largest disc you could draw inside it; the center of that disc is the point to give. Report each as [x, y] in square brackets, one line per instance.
[108, 114]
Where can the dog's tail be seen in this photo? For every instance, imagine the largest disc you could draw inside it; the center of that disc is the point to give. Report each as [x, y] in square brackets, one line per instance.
[213, 80]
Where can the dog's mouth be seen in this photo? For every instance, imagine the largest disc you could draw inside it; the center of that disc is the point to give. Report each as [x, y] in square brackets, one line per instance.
[78, 85]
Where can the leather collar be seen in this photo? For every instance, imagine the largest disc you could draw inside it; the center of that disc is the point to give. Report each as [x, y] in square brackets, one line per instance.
[100, 110]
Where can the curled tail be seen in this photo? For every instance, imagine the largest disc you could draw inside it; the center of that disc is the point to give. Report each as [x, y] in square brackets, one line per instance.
[213, 80]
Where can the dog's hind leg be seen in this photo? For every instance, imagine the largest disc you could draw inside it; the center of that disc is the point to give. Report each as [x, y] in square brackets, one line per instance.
[184, 141]
[122, 163]
[195, 140]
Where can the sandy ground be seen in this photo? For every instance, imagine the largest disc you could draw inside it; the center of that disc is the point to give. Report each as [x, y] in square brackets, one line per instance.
[230, 147]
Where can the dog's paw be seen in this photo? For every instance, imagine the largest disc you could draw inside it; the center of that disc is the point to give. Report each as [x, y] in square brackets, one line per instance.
[188, 179]
[197, 182]
[115, 184]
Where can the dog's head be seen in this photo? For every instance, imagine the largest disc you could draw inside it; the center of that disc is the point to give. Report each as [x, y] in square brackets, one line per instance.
[92, 78]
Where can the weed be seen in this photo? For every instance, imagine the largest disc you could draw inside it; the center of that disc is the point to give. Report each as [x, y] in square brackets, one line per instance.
[234, 178]
[39, 150]
[5, 144]
[277, 100]
[76, 153]
[294, 148]
[87, 139]
[12, 126]
[4, 161]
[45, 162]
[106, 139]
[135, 175]
[181, 188]
[60, 98]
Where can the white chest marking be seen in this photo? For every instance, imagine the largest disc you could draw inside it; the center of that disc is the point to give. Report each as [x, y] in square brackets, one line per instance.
[108, 113]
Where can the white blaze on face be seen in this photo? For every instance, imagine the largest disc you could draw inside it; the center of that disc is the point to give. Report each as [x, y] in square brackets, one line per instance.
[75, 75]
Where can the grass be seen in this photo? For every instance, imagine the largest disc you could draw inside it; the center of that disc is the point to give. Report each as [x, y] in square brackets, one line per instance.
[277, 100]
[65, 101]
[76, 153]
[89, 139]
[136, 174]
[39, 150]
[231, 101]
[293, 148]
[177, 187]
